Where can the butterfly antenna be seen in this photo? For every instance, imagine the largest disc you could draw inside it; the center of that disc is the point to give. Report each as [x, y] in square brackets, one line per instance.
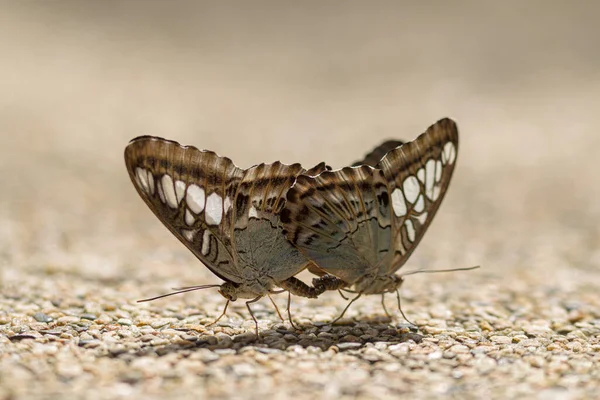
[431, 271]
[179, 291]
[425, 271]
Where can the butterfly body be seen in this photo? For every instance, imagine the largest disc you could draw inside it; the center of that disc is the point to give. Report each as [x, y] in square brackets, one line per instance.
[362, 223]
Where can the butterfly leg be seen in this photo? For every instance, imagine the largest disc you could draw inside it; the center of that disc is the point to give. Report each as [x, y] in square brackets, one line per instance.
[276, 308]
[222, 314]
[289, 312]
[342, 294]
[400, 308]
[346, 309]
[254, 300]
[384, 307]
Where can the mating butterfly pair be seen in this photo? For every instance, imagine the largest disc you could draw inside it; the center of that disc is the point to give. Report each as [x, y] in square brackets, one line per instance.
[257, 228]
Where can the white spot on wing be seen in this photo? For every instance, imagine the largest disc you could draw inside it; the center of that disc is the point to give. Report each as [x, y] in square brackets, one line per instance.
[188, 234]
[422, 218]
[189, 218]
[179, 190]
[169, 190]
[138, 181]
[438, 171]
[252, 213]
[151, 182]
[398, 203]
[411, 188]
[421, 174]
[429, 177]
[195, 198]
[420, 204]
[205, 243]
[142, 178]
[214, 209]
[449, 154]
[436, 192]
[410, 230]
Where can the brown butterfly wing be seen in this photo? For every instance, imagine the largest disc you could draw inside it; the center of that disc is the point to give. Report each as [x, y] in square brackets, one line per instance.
[190, 192]
[206, 202]
[418, 174]
[361, 221]
[340, 220]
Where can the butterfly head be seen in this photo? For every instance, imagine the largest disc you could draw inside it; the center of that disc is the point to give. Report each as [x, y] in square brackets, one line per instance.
[229, 290]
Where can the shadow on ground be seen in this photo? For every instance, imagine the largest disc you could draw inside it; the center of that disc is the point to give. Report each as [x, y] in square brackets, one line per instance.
[345, 336]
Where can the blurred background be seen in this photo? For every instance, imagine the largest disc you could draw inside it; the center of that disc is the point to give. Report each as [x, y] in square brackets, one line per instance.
[300, 82]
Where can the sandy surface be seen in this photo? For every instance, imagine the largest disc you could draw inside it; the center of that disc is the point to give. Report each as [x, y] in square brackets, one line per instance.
[266, 82]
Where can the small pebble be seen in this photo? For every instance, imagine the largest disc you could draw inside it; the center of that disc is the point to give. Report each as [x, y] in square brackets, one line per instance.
[245, 338]
[459, 348]
[205, 355]
[290, 338]
[207, 339]
[501, 339]
[327, 335]
[15, 338]
[67, 320]
[349, 345]
[103, 319]
[349, 339]
[160, 323]
[41, 317]
[224, 352]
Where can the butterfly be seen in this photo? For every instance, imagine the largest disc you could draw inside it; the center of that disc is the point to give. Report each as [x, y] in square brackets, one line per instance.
[227, 216]
[362, 223]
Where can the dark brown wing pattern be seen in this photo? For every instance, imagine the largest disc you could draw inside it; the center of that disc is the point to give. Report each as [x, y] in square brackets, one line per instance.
[418, 175]
[191, 192]
[361, 223]
[340, 219]
[227, 216]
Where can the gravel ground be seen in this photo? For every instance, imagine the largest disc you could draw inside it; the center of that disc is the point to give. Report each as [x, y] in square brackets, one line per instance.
[78, 248]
